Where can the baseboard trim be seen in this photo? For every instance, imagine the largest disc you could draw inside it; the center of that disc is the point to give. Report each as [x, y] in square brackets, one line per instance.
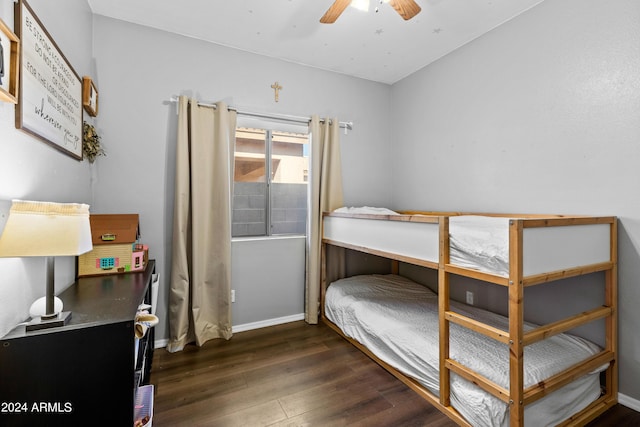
[629, 402]
[267, 323]
[248, 326]
[160, 343]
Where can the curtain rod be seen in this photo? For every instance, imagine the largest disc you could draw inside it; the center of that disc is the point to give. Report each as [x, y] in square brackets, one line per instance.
[284, 117]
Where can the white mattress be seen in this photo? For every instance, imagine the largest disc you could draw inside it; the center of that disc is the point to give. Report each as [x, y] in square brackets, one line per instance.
[367, 210]
[397, 320]
[480, 242]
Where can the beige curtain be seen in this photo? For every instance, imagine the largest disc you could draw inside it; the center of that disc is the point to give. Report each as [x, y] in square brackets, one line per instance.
[326, 195]
[200, 289]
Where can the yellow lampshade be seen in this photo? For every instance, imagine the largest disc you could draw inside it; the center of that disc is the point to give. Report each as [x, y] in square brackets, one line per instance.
[46, 229]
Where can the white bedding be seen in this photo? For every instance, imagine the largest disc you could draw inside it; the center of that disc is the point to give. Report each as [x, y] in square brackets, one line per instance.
[478, 242]
[397, 320]
[366, 210]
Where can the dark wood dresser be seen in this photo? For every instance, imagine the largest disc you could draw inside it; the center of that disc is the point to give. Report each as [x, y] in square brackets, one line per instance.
[83, 373]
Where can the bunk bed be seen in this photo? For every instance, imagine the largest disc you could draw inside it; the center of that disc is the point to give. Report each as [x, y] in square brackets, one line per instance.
[478, 367]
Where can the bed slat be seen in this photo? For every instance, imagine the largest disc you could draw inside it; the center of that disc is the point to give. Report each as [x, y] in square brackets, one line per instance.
[479, 380]
[474, 325]
[547, 386]
[564, 274]
[478, 275]
[567, 221]
[590, 413]
[560, 326]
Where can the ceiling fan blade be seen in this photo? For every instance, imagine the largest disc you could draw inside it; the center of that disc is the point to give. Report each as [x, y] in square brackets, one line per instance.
[406, 8]
[334, 11]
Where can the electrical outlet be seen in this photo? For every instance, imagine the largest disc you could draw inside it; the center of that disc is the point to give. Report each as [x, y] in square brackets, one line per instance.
[469, 297]
[233, 295]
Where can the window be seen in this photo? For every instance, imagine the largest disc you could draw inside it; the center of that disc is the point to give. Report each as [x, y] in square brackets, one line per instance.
[270, 182]
[107, 263]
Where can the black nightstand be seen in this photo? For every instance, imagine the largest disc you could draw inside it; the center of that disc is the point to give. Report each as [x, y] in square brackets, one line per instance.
[83, 373]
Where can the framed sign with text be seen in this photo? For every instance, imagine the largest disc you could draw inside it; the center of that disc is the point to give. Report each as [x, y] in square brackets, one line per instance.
[50, 96]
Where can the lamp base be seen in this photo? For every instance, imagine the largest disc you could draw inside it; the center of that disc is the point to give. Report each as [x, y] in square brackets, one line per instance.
[60, 319]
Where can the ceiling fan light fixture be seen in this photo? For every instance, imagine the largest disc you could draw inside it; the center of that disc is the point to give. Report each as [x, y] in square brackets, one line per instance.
[405, 8]
[362, 5]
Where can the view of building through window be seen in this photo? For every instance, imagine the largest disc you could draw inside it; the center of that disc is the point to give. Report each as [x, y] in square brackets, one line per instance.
[278, 205]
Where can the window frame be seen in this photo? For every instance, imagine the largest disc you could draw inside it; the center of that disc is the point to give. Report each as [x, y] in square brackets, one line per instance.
[270, 128]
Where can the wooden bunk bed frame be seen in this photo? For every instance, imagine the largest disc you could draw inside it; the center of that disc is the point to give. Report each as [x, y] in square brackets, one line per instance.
[516, 396]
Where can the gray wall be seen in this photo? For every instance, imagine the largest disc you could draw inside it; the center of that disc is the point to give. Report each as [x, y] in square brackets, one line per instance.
[33, 170]
[263, 271]
[140, 69]
[542, 114]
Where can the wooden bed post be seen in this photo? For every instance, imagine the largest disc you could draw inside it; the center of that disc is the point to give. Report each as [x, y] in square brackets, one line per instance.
[395, 266]
[611, 322]
[323, 277]
[516, 320]
[443, 307]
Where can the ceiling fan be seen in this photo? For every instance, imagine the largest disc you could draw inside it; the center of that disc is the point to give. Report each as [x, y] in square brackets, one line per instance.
[406, 8]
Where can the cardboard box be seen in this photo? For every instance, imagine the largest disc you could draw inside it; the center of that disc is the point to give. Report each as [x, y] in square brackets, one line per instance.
[116, 248]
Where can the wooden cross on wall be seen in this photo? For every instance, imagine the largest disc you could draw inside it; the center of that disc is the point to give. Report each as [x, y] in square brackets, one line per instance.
[276, 87]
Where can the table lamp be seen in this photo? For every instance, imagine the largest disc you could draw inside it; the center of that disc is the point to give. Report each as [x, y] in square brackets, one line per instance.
[46, 229]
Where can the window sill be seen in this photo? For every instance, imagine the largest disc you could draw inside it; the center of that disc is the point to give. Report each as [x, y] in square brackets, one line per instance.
[260, 238]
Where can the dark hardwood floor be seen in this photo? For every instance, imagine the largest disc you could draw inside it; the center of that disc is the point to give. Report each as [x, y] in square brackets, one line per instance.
[293, 375]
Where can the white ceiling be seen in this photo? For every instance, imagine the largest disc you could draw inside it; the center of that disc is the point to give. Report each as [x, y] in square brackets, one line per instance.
[375, 46]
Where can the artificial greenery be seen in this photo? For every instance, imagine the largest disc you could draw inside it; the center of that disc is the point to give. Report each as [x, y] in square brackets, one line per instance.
[91, 143]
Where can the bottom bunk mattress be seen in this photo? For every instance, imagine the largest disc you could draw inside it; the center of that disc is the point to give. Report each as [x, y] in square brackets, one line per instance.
[397, 320]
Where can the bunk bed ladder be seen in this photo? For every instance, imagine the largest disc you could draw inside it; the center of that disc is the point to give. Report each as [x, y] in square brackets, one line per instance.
[517, 397]
[446, 316]
[514, 339]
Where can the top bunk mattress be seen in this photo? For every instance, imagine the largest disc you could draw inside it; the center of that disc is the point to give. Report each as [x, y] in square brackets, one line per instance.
[478, 242]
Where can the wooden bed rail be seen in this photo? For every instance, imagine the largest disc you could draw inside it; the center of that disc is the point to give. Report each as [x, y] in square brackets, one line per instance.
[534, 279]
[380, 253]
[565, 274]
[476, 326]
[567, 324]
[538, 334]
[553, 383]
[478, 379]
